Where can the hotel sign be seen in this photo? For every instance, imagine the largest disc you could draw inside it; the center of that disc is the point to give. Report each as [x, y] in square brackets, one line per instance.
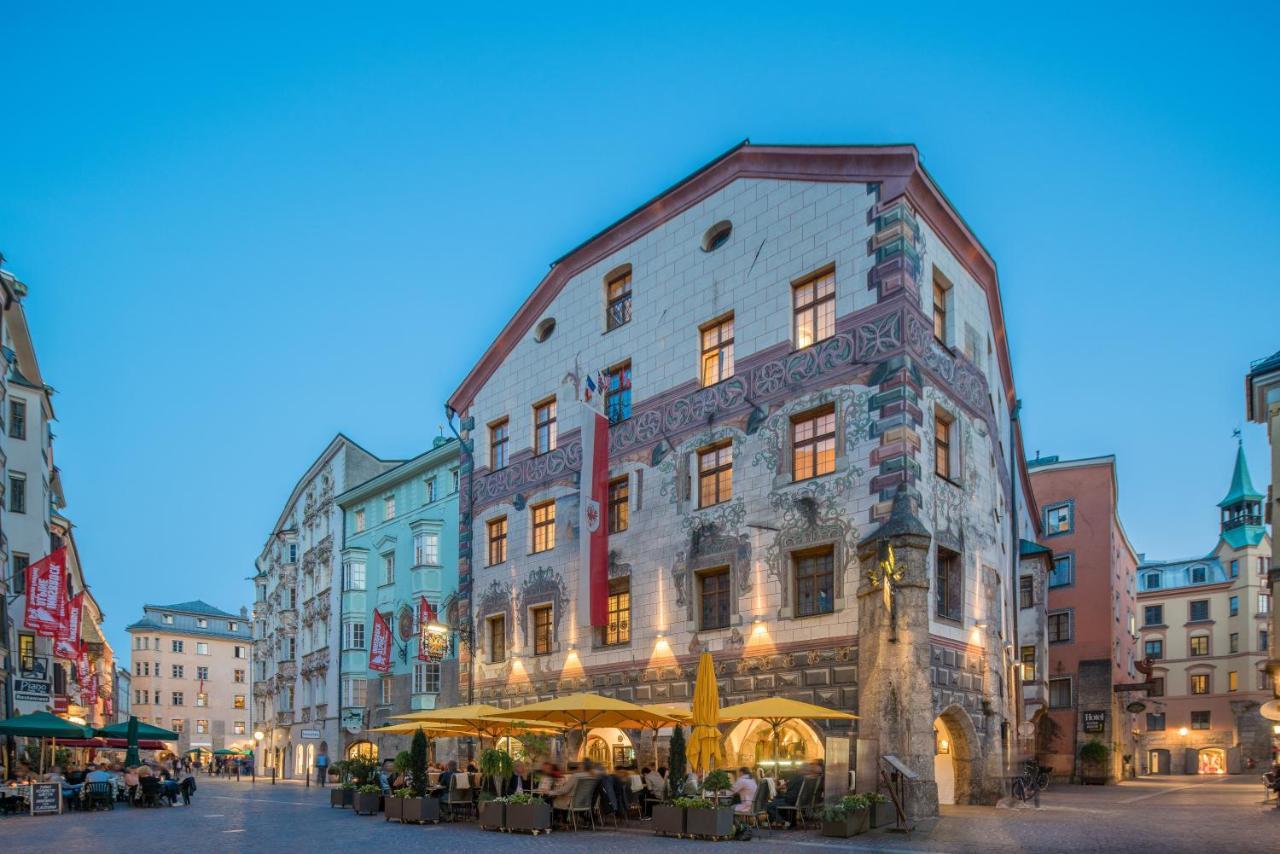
[1094, 721]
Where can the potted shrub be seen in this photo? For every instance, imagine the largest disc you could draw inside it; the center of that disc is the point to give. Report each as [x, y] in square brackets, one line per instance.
[703, 817]
[1093, 760]
[529, 813]
[393, 804]
[847, 817]
[366, 799]
[416, 806]
[342, 796]
[882, 811]
[717, 781]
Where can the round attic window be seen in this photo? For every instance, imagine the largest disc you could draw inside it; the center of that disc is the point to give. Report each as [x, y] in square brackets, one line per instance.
[543, 330]
[717, 236]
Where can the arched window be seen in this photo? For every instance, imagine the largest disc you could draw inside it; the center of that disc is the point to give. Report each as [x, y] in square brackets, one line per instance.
[363, 749]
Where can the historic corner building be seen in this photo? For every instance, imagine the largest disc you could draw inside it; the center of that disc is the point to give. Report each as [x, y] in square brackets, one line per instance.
[803, 356]
[1205, 627]
[32, 677]
[295, 656]
[399, 547]
[1092, 672]
[190, 674]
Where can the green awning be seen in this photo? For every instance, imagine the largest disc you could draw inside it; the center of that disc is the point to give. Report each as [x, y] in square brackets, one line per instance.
[145, 731]
[43, 725]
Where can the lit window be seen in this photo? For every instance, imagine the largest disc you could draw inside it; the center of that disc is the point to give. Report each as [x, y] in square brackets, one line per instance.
[1028, 664]
[618, 510]
[1200, 645]
[618, 629]
[715, 474]
[544, 527]
[497, 529]
[813, 444]
[542, 630]
[237, 728]
[814, 310]
[178, 725]
[717, 351]
[544, 426]
[1199, 683]
[1233, 680]
[943, 447]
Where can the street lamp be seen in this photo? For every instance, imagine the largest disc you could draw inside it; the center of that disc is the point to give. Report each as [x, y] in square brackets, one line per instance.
[258, 736]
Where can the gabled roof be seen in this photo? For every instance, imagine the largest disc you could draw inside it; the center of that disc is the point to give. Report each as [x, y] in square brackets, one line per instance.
[896, 168]
[195, 606]
[1241, 484]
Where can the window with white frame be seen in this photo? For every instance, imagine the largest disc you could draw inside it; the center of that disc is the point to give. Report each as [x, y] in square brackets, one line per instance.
[353, 691]
[426, 677]
[385, 685]
[353, 635]
[357, 519]
[389, 568]
[1058, 519]
[353, 575]
[426, 548]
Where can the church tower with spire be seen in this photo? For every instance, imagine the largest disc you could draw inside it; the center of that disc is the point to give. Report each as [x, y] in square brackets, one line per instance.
[1242, 523]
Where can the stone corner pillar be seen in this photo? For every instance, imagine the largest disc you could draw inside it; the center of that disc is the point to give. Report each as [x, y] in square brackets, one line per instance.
[895, 693]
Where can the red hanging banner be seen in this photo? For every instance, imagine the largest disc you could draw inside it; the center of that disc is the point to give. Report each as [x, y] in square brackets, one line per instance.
[47, 594]
[91, 690]
[82, 669]
[380, 646]
[66, 642]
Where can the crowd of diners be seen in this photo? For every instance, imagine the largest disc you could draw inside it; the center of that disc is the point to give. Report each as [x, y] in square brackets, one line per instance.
[148, 783]
[618, 791]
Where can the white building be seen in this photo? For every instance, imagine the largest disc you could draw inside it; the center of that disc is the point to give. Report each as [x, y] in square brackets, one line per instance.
[803, 354]
[296, 626]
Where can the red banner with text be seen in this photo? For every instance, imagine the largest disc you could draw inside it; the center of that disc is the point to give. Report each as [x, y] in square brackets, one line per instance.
[380, 646]
[46, 609]
[66, 642]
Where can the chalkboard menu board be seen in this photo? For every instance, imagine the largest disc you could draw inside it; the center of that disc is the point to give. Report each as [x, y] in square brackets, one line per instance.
[46, 798]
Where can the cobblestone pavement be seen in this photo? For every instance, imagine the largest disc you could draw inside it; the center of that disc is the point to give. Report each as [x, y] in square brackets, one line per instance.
[1175, 814]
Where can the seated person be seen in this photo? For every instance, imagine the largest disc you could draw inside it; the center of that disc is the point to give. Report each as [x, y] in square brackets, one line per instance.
[789, 796]
[745, 788]
[97, 775]
[446, 777]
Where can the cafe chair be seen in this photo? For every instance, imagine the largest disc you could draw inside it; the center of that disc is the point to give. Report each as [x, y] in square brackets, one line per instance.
[582, 802]
[459, 798]
[794, 812]
[759, 815]
[98, 795]
[152, 791]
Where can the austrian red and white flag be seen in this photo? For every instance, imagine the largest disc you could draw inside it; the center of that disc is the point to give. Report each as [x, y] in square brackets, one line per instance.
[66, 642]
[47, 594]
[380, 645]
[593, 528]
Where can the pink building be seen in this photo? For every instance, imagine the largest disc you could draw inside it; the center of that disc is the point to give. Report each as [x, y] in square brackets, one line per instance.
[1092, 616]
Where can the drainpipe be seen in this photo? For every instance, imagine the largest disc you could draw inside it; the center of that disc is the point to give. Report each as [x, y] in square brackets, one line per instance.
[1015, 557]
[449, 414]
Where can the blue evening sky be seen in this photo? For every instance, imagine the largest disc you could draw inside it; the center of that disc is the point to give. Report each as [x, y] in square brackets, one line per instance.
[249, 229]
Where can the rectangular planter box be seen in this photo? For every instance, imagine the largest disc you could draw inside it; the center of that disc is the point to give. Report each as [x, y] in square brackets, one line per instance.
[853, 824]
[420, 809]
[717, 821]
[668, 820]
[366, 804]
[340, 797]
[534, 818]
[393, 807]
[883, 814]
[493, 815]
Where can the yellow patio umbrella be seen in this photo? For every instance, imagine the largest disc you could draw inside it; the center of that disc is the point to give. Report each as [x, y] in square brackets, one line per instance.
[776, 711]
[704, 736]
[479, 719]
[429, 729]
[586, 711]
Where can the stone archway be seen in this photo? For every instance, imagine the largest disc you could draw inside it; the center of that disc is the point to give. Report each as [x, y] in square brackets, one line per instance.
[958, 751]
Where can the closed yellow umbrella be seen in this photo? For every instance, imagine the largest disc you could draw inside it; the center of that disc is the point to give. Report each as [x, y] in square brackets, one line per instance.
[704, 737]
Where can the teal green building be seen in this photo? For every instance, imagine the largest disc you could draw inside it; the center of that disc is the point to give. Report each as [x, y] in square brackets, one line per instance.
[399, 545]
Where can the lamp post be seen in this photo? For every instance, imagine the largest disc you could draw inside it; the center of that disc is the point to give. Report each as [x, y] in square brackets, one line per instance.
[258, 736]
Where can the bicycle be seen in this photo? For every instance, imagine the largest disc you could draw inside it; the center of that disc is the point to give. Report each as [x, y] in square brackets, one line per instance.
[1027, 785]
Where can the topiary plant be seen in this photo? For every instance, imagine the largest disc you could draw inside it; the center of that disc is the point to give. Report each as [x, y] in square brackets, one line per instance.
[679, 769]
[717, 781]
[418, 764]
[497, 765]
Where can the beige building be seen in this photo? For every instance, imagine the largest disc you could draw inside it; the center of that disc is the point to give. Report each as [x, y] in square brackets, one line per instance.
[191, 673]
[1205, 630]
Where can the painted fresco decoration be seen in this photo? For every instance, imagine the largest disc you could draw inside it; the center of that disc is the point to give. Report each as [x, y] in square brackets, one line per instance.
[540, 586]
